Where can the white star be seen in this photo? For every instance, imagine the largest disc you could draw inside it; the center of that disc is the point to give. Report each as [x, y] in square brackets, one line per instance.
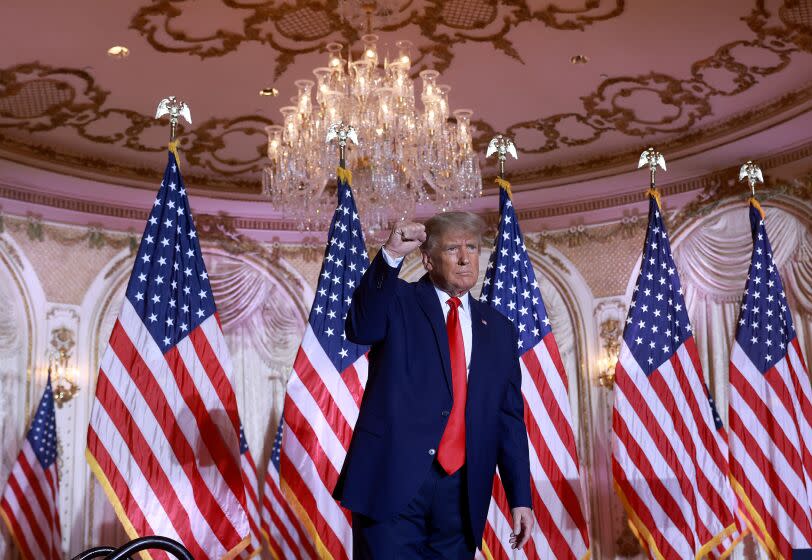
[162, 261]
[204, 275]
[329, 332]
[153, 220]
[168, 222]
[183, 327]
[171, 204]
[187, 290]
[139, 296]
[318, 309]
[159, 279]
[331, 314]
[192, 234]
[169, 321]
[166, 341]
[153, 318]
[190, 253]
[145, 258]
[156, 298]
[200, 312]
[202, 294]
[142, 277]
[149, 239]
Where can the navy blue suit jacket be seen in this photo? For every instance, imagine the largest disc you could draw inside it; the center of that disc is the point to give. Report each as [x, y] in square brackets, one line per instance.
[408, 398]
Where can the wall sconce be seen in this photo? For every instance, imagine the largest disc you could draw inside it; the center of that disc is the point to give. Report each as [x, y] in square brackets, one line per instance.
[610, 333]
[606, 371]
[64, 375]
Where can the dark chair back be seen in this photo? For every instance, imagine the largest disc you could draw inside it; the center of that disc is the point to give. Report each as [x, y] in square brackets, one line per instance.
[125, 552]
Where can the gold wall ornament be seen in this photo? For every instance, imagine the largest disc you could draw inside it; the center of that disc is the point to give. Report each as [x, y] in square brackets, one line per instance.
[610, 331]
[63, 374]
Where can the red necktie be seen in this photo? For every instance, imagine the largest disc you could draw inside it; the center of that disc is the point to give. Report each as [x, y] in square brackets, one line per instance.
[452, 445]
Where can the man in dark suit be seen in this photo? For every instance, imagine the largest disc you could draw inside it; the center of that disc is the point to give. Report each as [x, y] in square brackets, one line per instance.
[442, 406]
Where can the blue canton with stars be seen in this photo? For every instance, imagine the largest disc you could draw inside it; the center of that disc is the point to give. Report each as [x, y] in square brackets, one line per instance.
[243, 442]
[765, 323]
[345, 260]
[276, 450]
[42, 434]
[658, 321]
[169, 287]
[510, 284]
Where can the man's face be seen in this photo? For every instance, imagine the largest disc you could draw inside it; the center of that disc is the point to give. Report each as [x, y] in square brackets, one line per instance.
[453, 263]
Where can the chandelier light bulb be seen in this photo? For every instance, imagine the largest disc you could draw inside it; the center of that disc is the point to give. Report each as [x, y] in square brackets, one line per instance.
[409, 152]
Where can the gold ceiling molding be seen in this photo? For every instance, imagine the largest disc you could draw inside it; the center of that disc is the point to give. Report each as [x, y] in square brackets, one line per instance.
[35, 97]
[733, 68]
[712, 187]
[300, 27]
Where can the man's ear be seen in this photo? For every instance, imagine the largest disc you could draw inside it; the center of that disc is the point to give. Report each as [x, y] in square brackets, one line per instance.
[426, 260]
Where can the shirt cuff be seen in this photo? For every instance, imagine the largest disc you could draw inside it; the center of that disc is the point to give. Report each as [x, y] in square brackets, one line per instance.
[390, 260]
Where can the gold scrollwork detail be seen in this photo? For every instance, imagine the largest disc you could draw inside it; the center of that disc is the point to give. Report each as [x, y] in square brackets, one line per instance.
[733, 68]
[28, 105]
[300, 27]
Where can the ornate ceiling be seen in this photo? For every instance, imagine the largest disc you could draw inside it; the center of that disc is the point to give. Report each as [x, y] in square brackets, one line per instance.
[679, 74]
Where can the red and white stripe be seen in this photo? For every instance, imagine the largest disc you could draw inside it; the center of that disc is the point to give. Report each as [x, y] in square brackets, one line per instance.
[284, 532]
[770, 418]
[669, 460]
[249, 477]
[29, 507]
[561, 529]
[164, 437]
[321, 407]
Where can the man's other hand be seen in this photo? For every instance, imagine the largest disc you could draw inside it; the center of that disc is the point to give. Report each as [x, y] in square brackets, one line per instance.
[405, 238]
[523, 522]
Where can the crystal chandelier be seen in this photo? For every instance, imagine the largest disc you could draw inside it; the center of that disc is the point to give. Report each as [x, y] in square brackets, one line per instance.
[407, 153]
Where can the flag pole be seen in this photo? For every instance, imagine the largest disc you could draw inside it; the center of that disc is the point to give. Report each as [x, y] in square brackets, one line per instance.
[342, 132]
[653, 159]
[751, 171]
[501, 145]
[176, 109]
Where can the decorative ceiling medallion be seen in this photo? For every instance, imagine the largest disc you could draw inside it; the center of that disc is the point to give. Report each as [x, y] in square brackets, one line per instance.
[303, 26]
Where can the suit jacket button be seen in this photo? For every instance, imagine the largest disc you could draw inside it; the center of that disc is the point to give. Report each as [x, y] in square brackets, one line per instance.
[432, 452]
[445, 413]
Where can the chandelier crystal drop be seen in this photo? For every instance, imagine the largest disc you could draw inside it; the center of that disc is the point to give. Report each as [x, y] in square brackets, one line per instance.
[408, 153]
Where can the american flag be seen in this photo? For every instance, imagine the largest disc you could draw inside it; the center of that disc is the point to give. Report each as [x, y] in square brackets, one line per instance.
[164, 439]
[249, 478]
[325, 388]
[510, 286]
[669, 455]
[287, 538]
[29, 505]
[770, 411]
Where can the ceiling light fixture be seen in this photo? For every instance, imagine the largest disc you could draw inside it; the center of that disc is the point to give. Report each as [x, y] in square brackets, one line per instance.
[411, 148]
[269, 92]
[579, 59]
[118, 51]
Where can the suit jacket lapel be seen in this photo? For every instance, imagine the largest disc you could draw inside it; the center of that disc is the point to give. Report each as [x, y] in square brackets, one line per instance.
[430, 303]
[479, 333]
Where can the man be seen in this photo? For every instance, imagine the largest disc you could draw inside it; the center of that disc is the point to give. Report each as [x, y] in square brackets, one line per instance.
[442, 406]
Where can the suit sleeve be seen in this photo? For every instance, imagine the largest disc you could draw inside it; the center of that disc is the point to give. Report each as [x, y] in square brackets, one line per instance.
[514, 460]
[367, 319]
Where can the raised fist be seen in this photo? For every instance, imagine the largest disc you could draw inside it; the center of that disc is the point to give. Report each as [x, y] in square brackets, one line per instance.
[405, 238]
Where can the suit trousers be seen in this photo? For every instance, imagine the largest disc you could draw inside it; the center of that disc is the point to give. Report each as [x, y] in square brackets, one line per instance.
[433, 525]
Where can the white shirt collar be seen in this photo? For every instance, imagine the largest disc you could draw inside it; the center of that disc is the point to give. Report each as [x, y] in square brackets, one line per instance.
[465, 304]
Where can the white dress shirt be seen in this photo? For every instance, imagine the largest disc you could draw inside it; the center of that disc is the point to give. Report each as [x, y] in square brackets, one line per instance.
[464, 310]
